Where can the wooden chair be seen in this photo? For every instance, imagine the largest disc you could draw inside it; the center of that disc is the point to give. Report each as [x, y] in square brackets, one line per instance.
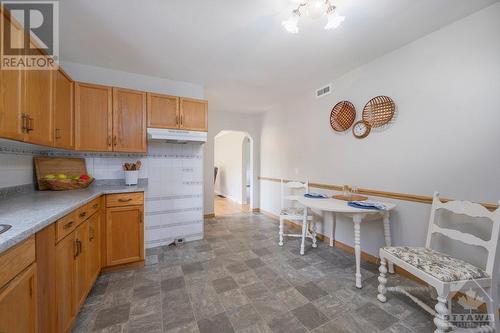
[293, 211]
[443, 272]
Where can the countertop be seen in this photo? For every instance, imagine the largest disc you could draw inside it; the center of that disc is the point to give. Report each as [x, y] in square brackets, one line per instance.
[32, 211]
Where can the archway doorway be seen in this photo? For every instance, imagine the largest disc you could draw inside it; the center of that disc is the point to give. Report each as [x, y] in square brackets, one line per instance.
[233, 173]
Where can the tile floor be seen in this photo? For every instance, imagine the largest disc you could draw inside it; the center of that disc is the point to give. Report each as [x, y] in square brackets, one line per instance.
[239, 280]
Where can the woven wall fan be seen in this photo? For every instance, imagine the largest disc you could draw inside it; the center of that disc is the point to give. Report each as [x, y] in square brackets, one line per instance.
[342, 116]
[379, 111]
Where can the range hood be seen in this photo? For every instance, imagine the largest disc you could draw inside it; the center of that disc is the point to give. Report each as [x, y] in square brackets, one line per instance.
[176, 136]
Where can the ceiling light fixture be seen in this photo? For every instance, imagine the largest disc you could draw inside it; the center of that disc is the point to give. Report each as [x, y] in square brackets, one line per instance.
[314, 9]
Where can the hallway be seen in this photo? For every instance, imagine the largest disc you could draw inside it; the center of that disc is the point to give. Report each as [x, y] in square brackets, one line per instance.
[224, 206]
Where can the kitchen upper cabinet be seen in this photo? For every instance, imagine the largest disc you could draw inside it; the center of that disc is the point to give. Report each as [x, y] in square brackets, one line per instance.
[64, 136]
[93, 117]
[38, 107]
[18, 303]
[94, 251]
[129, 120]
[124, 235]
[194, 114]
[66, 252]
[81, 286]
[163, 111]
[12, 93]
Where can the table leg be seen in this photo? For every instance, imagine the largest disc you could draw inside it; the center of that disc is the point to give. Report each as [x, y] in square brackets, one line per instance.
[357, 248]
[387, 235]
[334, 226]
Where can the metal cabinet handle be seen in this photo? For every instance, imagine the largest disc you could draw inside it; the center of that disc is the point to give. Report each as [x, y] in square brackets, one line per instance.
[77, 248]
[181, 119]
[31, 121]
[91, 234]
[83, 214]
[95, 206]
[58, 133]
[125, 200]
[109, 140]
[68, 225]
[24, 123]
[115, 140]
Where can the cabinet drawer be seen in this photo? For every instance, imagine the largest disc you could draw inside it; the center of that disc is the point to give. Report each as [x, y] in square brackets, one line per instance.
[124, 199]
[16, 260]
[93, 206]
[65, 225]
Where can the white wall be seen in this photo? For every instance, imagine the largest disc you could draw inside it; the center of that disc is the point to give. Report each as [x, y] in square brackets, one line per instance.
[105, 76]
[228, 157]
[231, 121]
[446, 87]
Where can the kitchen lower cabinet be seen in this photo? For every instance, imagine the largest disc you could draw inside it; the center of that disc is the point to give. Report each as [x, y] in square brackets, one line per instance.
[124, 235]
[18, 303]
[66, 251]
[93, 249]
[80, 263]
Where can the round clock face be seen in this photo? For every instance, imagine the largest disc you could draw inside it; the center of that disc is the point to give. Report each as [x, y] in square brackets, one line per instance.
[361, 129]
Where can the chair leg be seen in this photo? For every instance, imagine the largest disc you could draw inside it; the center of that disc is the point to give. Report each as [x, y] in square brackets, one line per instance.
[440, 320]
[281, 232]
[304, 233]
[314, 245]
[382, 280]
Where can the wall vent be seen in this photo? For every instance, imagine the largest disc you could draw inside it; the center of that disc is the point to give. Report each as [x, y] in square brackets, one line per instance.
[324, 91]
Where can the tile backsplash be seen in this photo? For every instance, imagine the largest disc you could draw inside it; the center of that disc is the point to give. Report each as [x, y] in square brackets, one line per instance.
[173, 200]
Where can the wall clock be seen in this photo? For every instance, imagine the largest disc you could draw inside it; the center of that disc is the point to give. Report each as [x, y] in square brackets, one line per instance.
[361, 129]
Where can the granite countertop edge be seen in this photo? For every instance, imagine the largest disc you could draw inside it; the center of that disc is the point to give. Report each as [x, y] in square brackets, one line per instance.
[26, 221]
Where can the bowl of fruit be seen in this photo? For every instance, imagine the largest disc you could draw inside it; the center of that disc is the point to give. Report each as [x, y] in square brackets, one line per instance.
[63, 182]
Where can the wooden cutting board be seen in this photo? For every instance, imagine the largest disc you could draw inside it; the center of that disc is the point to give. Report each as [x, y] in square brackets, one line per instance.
[70, 166]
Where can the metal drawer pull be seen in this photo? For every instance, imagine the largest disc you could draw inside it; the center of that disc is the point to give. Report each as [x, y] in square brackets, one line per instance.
[83, 214]
[125, 200]
[95, 206]
[68, 225]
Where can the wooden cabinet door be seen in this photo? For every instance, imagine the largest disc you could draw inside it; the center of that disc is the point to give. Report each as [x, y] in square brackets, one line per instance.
[124, 235]
[18, 303]
[66, 251]
[64, 135]
[81, 268]
[93, 117]
[163, 111]
[129, 120]
[11, 92]
[94, 251]
[194, 114]
[39, 106]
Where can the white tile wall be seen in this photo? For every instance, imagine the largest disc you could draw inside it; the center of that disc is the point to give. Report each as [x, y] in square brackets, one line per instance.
[174, 198]
[15, 169]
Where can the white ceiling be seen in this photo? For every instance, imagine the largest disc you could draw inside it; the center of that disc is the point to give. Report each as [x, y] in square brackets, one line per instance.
[237, 48]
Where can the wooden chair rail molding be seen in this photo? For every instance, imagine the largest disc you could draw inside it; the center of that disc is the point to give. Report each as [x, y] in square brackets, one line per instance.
[392, 195]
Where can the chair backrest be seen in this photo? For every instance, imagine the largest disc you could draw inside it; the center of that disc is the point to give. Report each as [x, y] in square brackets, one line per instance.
[472, 210]
[289, 187]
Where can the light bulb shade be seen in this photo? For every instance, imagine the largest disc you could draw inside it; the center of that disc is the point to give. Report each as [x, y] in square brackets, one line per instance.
[291, 25]
[334, 21]
[315, 8]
